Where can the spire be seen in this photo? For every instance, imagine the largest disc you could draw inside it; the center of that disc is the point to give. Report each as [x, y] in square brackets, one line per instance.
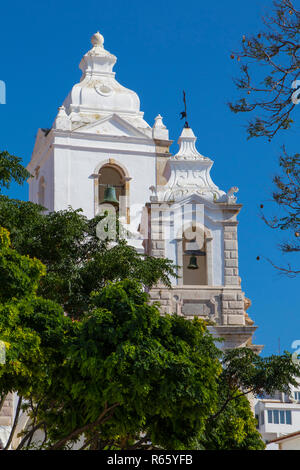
[187, 146]
[159, 122]
[97, 40]
[188, 173]
[98, 94]
[97, 61]
[62, 120]
[159, 130]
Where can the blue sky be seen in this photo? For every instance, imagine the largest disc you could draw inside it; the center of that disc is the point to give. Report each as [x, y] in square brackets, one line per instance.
[162, 48]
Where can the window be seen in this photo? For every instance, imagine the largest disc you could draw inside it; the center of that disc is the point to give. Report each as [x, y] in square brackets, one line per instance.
[297, 396]
[262, 418]
[111, 176]
[270, 416]
[279, 416]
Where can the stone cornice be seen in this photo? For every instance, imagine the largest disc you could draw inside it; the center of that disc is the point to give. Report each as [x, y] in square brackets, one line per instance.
[235, 208]
[103, 138]
[108, 150]
[197, 288]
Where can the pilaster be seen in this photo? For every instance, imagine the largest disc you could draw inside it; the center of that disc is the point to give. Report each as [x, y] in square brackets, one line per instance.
[231, 264]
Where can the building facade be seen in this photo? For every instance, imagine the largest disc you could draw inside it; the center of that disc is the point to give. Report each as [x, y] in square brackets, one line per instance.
[278, 415]
[168, 203]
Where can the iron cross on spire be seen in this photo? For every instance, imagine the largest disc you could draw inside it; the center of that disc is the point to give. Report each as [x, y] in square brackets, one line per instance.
[184, 113]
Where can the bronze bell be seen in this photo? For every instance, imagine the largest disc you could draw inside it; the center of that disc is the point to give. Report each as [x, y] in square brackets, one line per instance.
[193, 263]
[110, 196]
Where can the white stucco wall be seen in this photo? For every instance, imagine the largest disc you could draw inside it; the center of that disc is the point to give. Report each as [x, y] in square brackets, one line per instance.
[75, 173]
[46, 170]
[216, 230]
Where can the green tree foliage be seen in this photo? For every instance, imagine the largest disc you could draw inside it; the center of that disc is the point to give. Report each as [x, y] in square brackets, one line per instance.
[158, 374]
[11, 169]
[77, 262]
[29, 326]
[123, 376]
[245, 374]
[89, 356]
[234, 428]
[245, 370]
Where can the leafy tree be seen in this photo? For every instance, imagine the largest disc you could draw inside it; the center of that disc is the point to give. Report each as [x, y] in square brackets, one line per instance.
[272, 91]
[287, 197]
[11, 169]
[244, 373]
[234, 428]
[28, 358]
[123, 376]
[269, 88]
[158, 374]
[113, 370]
[77, 262]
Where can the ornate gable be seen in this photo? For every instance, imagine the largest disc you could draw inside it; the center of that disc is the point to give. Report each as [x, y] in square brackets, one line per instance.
[112, 125]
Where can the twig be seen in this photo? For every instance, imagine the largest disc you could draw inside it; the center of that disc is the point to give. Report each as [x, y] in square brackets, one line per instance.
[101, 419]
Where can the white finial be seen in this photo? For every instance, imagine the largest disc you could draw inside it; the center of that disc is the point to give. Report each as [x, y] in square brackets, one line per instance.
[231, 198]
[159, 130]
[62, 121]
[61, 111]
[159, 122]
[97, 60]
[187, 147]
[97, 40]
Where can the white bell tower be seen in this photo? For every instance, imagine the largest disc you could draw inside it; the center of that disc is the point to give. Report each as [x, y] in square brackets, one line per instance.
[99, 138]
[194, 223]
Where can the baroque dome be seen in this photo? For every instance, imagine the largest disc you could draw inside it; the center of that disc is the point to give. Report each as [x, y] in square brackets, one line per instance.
[98, 93]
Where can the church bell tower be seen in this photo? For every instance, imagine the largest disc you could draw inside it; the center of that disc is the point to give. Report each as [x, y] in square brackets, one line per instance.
[172, 208]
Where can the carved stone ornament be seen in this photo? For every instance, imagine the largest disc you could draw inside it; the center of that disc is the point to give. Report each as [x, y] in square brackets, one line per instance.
[99, 94]
[206, 309]
[189, 173]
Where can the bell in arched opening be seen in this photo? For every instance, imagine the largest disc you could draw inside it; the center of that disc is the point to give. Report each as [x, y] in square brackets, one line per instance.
[193, 263]
[110, 196]
[111, 176]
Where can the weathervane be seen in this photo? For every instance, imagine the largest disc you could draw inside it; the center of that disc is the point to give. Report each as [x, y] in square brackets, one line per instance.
[183, 113]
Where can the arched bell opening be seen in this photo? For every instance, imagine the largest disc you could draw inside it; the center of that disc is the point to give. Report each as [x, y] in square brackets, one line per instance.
[111, 184]
[194, 257]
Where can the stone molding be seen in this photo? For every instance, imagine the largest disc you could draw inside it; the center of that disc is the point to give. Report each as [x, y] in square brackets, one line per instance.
[6, 413]
[225, 306]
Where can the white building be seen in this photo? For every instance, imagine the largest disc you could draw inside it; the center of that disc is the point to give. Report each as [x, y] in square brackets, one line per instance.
[278, 415]
[168, 202]
[172, 207]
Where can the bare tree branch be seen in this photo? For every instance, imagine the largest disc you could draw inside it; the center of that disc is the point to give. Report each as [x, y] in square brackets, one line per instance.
[277, 51]
[76, 432]
[16, 419]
